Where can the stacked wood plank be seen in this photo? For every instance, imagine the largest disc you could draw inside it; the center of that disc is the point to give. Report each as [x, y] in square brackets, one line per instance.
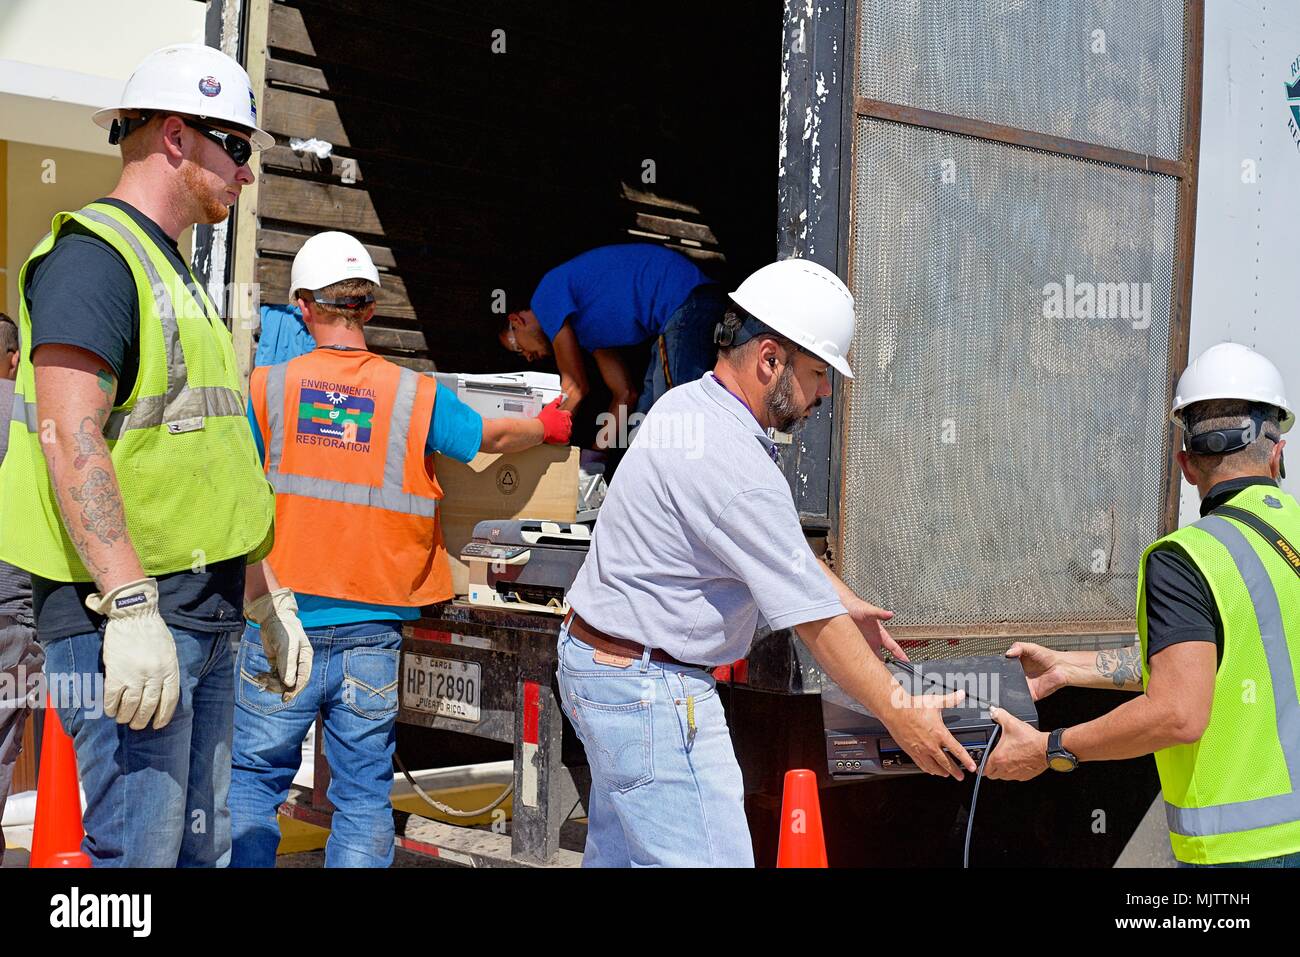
[469, 172]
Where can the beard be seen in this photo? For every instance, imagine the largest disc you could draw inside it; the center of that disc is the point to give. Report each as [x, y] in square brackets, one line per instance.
[209, 209]
[783, 411]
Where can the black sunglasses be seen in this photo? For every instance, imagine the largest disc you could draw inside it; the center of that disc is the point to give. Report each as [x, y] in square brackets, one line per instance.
[239, 150]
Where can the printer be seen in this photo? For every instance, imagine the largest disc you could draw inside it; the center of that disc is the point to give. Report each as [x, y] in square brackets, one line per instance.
[525, 564]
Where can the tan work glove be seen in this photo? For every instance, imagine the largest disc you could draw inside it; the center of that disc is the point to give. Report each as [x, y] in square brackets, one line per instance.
[285, 642]
[142, 679]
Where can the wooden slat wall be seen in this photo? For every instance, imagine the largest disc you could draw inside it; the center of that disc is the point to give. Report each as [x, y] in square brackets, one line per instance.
[467, 171]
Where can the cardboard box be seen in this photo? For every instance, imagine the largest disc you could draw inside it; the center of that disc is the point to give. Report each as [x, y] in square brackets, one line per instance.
[539, 483]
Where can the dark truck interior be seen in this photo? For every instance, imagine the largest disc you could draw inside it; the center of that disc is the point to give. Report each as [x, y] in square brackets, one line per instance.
[487, 147]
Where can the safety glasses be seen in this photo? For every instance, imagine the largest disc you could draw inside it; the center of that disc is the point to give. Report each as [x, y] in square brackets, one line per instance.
[238, 149]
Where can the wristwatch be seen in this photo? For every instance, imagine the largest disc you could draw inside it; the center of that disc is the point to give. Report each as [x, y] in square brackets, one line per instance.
[1058, 758]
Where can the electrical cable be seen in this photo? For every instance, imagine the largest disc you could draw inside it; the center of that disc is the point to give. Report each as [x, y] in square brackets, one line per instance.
[979, 776]
[988, 749]
[439, 806]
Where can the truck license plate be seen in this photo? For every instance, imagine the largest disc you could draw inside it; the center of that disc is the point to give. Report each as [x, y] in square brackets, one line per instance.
[446, 687]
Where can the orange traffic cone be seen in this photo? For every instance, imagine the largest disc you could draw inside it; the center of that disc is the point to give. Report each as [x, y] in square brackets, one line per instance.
[57, 833]
[802, 844]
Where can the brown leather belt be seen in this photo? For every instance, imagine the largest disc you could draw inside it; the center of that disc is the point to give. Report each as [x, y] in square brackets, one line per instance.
[618, 646]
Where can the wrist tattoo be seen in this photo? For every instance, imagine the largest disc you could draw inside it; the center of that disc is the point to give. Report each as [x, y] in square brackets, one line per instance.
[1120, 665]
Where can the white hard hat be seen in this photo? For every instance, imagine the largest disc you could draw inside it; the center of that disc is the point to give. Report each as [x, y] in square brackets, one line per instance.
[328, 258]
[1232, 371]
[806, 303]
[195, 80]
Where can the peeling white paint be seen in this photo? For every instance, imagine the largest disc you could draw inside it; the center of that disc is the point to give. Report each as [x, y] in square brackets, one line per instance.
[807, 122]
[784, 120]
[783, 131]
[821, 86]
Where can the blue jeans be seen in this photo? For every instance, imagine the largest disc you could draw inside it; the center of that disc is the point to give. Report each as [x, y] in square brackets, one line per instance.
[1286, 860]
[661, 796]
[686, 344]
[153, 798]
[354, 687]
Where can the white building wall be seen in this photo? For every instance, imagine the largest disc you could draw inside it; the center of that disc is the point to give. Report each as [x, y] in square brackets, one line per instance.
[62, 59]
[1246, 283]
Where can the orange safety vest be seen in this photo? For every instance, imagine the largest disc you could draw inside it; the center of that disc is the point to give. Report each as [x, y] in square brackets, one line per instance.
[356, 503]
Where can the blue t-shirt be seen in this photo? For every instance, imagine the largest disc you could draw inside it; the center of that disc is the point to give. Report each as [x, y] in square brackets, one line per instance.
[456, 431]
[615, 295]
[284, 336]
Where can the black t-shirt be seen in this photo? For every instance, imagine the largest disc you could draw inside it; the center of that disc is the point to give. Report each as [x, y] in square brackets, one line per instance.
[1180, 605]
[82, 294]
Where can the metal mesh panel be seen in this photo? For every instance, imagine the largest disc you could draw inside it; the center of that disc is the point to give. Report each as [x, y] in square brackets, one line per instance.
[1002, 466]
[1031, 64]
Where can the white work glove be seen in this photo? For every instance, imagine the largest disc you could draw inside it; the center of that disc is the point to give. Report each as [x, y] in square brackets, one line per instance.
[287, 649]
[142, 679]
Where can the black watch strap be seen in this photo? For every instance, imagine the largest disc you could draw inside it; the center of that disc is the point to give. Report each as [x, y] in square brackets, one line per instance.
[1056, 750]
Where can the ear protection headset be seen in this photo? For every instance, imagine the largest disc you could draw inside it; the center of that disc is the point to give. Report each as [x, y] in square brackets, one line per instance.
[736, 327]
[724, 333]
[1224, 441]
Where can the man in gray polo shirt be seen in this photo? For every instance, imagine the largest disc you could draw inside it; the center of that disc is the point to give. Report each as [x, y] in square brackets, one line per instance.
[698, 537]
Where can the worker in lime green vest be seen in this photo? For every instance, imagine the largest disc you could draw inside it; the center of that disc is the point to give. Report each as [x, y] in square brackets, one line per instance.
[1218, 650]
[132, 489]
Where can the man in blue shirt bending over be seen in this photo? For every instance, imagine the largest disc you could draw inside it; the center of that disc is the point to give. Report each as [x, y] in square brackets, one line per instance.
[612, 297]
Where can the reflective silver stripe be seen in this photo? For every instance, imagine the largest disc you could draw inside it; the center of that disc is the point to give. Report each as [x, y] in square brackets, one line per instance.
[181, 408]
[25, 412]
[352, 493]
[201, 402]
[1281, 808]
[275, 415]
[204, 402]
[388, 496]
[399, 428]
[1231, 818]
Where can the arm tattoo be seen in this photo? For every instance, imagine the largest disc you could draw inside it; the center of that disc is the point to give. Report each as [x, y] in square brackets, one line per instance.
[107, 385]
[1120, 665]
[90, 443]
[102, 514]
[96, 568]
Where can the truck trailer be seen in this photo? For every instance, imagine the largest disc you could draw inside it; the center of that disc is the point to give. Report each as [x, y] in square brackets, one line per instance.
[1016, 193]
